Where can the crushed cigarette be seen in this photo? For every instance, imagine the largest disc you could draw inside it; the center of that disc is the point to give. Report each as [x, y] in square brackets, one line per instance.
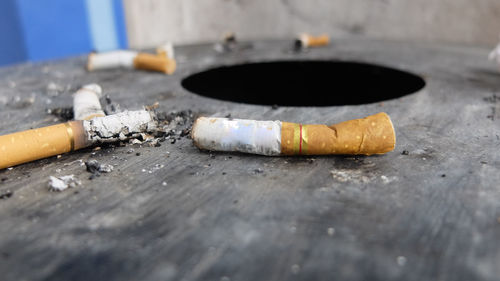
[63, 183]
[371, 135]
[86, 103]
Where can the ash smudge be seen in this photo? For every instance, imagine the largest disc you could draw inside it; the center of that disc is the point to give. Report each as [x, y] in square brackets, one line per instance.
[63, 183]
[110, 107]
[6, 195]
[63, 113]
[175, 125]
[96, 168]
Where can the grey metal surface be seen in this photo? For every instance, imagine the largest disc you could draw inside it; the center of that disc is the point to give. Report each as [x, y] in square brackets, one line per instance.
[430, 215]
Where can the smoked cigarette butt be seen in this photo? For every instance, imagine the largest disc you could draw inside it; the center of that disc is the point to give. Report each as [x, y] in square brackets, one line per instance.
[370, 135]
[25, 146]
[86, 103]
[314, 41]
[155, 63]
[30, 145]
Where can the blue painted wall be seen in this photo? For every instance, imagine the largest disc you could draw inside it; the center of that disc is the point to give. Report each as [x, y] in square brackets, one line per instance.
[12, 44]
[39, 30]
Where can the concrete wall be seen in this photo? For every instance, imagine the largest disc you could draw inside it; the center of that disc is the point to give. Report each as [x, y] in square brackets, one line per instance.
[151, 22]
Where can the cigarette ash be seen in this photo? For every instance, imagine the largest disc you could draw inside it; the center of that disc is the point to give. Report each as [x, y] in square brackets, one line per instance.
[6, 194]
[63, 113]
[109, 106]
[96, 168]
[175, 125]
[359, 171]
[63, 183]
[122, 126]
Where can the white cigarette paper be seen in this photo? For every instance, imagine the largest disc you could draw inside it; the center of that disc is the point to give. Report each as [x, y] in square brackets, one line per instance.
[86, 103]
[249, 136]
[166, 49]
[114, 59]
[495, 55]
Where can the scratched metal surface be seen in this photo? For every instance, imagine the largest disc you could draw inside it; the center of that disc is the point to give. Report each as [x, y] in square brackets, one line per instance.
[430, 215]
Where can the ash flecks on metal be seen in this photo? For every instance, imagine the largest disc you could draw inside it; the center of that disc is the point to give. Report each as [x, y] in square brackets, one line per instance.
[63, 113]
[175, 125]
[96, 168]
[62, 183]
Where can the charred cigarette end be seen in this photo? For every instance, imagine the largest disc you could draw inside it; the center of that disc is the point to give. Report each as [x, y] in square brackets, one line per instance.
[249, 136]
[86, 103]
[166, 50]
[114, 59]
[155, 63]
[371, 135]
[120, 126]
[30, 145]
[307, 40]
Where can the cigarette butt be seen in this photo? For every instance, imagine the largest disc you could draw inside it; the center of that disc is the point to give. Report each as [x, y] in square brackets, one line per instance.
[30, 145]
[86, 103]
[371, 135]
[308, 40]
[155, 63]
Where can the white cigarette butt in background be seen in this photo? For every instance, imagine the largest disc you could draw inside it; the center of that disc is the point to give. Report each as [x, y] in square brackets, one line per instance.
[114, 59]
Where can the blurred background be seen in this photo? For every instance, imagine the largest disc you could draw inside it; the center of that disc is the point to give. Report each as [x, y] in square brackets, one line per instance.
[40, 30]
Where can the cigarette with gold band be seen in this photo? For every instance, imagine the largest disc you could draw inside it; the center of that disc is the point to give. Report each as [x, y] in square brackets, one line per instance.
[86, 104]
[131, 59]
[30, 145]
[370, 135]
[305, 40]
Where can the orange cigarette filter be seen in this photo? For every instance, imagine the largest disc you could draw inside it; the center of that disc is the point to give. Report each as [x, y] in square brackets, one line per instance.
[30, 145]
[155, 62]
[370, 135]
[315, 41]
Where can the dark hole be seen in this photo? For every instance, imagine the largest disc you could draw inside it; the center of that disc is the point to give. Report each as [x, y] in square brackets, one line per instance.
[304, 83]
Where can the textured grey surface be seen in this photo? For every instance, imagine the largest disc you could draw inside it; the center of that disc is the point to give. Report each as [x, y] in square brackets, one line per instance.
[246, 217]
[152, 22]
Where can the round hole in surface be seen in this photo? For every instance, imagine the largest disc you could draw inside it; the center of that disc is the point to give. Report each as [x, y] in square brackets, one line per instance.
[304, 83]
